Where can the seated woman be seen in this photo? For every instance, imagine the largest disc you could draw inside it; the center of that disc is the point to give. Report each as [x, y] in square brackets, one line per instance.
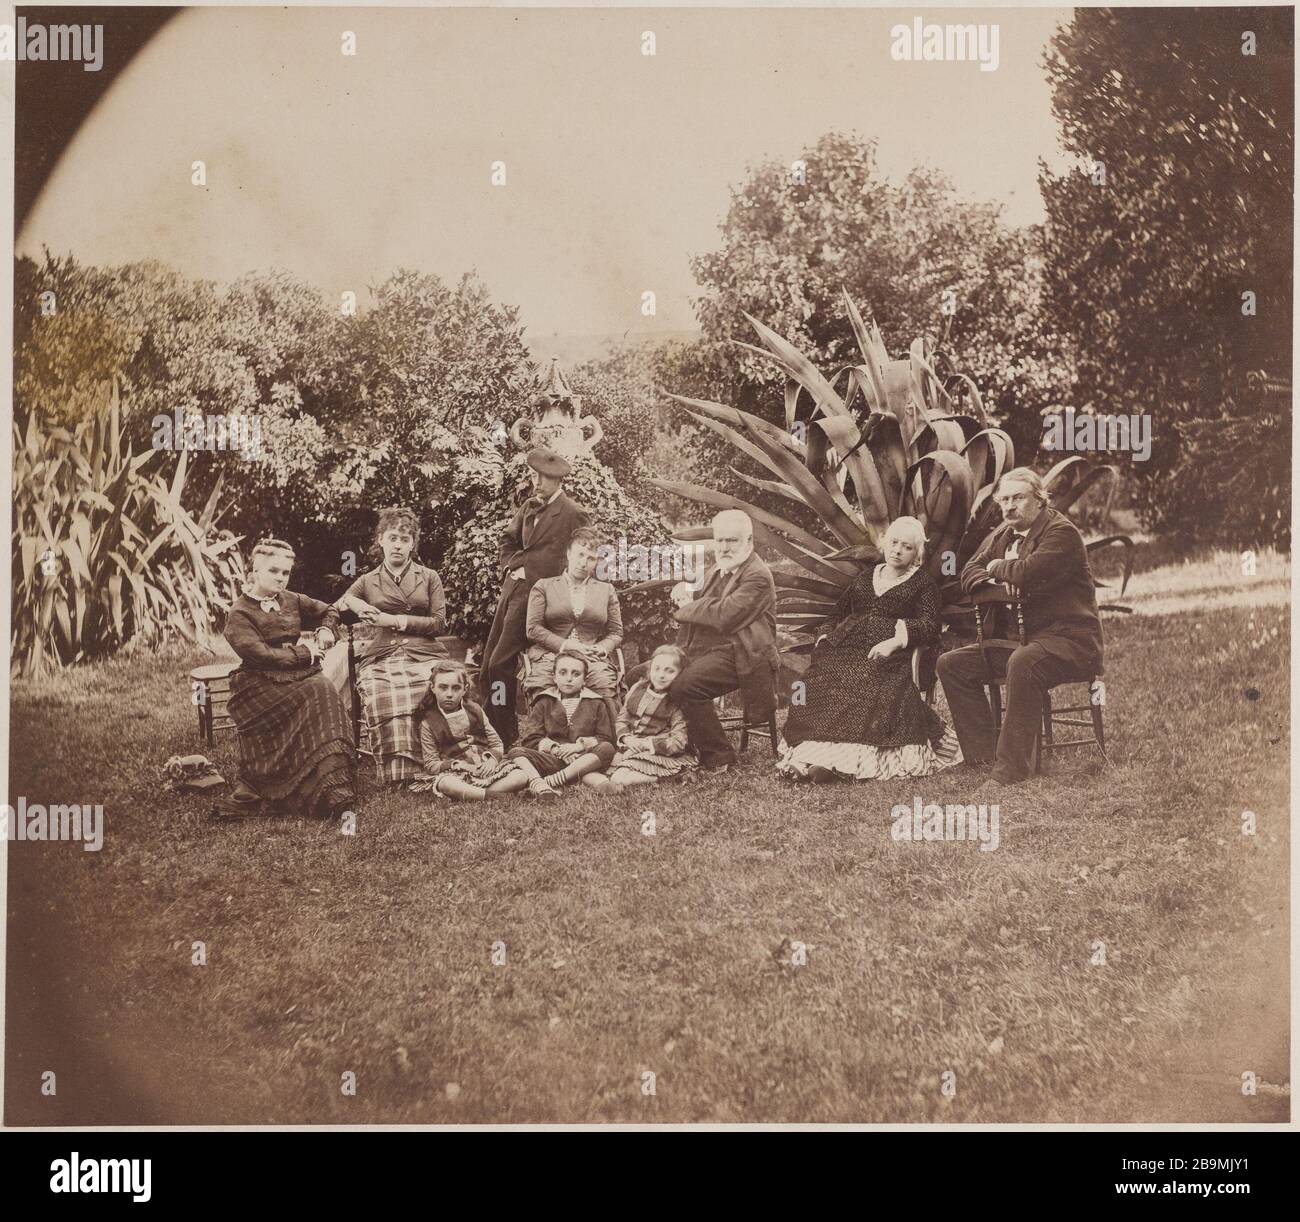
[574, 611]
[295, 740]
[863, 718]
[404, 601]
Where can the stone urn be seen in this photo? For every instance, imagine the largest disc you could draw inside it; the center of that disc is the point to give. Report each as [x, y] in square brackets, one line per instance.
[555, 418]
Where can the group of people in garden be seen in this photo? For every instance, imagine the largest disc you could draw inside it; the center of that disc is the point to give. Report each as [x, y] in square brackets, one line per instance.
[551, 705]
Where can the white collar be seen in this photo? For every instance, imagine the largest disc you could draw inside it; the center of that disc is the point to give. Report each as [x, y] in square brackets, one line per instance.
[550, 500]
[586, 691]
[270, 603]
[881, 579]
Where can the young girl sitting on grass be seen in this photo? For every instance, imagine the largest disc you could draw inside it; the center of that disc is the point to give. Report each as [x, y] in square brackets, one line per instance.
[651, 729]
[568, 733]
[461, 751]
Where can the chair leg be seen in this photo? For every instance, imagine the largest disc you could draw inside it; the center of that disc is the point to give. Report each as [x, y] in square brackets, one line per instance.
[354, 696]
[1098, 730]
[995, 699]
[1045, 734]
[772, 733]
[744, 738]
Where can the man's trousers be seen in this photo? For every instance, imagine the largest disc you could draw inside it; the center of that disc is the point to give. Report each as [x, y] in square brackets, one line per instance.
[703, 677]
[1030, 671]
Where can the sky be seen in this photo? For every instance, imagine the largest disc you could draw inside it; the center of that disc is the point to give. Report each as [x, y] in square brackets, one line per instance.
[618, 165]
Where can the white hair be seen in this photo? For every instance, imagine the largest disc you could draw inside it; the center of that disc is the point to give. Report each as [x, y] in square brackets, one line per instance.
[909, 530]
[737, 517]
[1027, 476]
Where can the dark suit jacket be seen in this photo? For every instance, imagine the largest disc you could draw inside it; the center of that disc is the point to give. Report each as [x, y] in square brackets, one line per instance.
[548, 542]
[1052, 573]
[544, 556]
[593, 718]
[743, 618]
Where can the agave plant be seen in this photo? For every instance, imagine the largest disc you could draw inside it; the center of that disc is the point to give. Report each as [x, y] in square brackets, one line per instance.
[104, 553]
[878, 439]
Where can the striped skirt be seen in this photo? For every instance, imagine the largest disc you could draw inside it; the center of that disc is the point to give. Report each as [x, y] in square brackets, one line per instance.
[863, 762]
[295, 739]
[660, 767]
[428, 783]
[390, 688]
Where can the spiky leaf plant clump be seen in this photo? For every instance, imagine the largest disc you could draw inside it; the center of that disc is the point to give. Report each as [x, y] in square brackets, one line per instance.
[876, 440]
[104, 554]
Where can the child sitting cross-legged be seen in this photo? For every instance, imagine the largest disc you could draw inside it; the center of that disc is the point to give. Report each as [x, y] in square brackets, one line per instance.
[569, 732]
[462, 753]
[651, 729]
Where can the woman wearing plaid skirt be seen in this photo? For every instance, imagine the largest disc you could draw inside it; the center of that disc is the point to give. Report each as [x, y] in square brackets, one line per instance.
[404, 602]
[295, 740]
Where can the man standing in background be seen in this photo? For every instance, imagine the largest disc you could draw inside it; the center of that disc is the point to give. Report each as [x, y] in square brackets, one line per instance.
[533, 546]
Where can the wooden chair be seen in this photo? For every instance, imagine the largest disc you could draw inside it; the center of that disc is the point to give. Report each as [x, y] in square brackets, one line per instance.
[735, 721]
[455, 646]
[1052, 716]
[210, 691]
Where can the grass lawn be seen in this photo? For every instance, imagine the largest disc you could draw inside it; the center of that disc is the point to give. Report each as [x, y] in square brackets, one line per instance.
[927, 965]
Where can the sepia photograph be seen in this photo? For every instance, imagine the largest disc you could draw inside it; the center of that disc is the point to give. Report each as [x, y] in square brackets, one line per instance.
[649, 566]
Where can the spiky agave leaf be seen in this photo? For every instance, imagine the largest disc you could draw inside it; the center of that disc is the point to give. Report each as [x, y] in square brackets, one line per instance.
[941, 491]
[1127, 543]
[872, 500]
[873, 355]
[893, 429]
[991, 454]
[832, 508]
[1070, 478]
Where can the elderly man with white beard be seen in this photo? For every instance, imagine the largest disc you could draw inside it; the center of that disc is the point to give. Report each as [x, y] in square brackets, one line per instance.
[728, 631]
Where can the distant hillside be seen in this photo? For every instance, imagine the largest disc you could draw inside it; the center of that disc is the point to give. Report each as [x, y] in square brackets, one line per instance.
[575, 349]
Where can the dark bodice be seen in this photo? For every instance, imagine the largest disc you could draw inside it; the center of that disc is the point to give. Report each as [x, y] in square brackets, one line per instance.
[865, 618]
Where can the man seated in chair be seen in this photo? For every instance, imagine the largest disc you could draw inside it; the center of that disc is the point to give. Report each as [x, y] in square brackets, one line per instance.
[728, 631]
[1039, 554]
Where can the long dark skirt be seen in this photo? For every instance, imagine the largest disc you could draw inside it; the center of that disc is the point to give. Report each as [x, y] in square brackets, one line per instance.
[295, 740]
[851, 698]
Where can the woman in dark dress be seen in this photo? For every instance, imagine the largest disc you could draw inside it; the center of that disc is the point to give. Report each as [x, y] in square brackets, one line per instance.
[863, 718]
[295, 740]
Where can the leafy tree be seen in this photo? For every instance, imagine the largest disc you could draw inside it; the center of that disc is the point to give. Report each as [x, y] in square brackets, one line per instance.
[1182, 202]
[914, 255]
